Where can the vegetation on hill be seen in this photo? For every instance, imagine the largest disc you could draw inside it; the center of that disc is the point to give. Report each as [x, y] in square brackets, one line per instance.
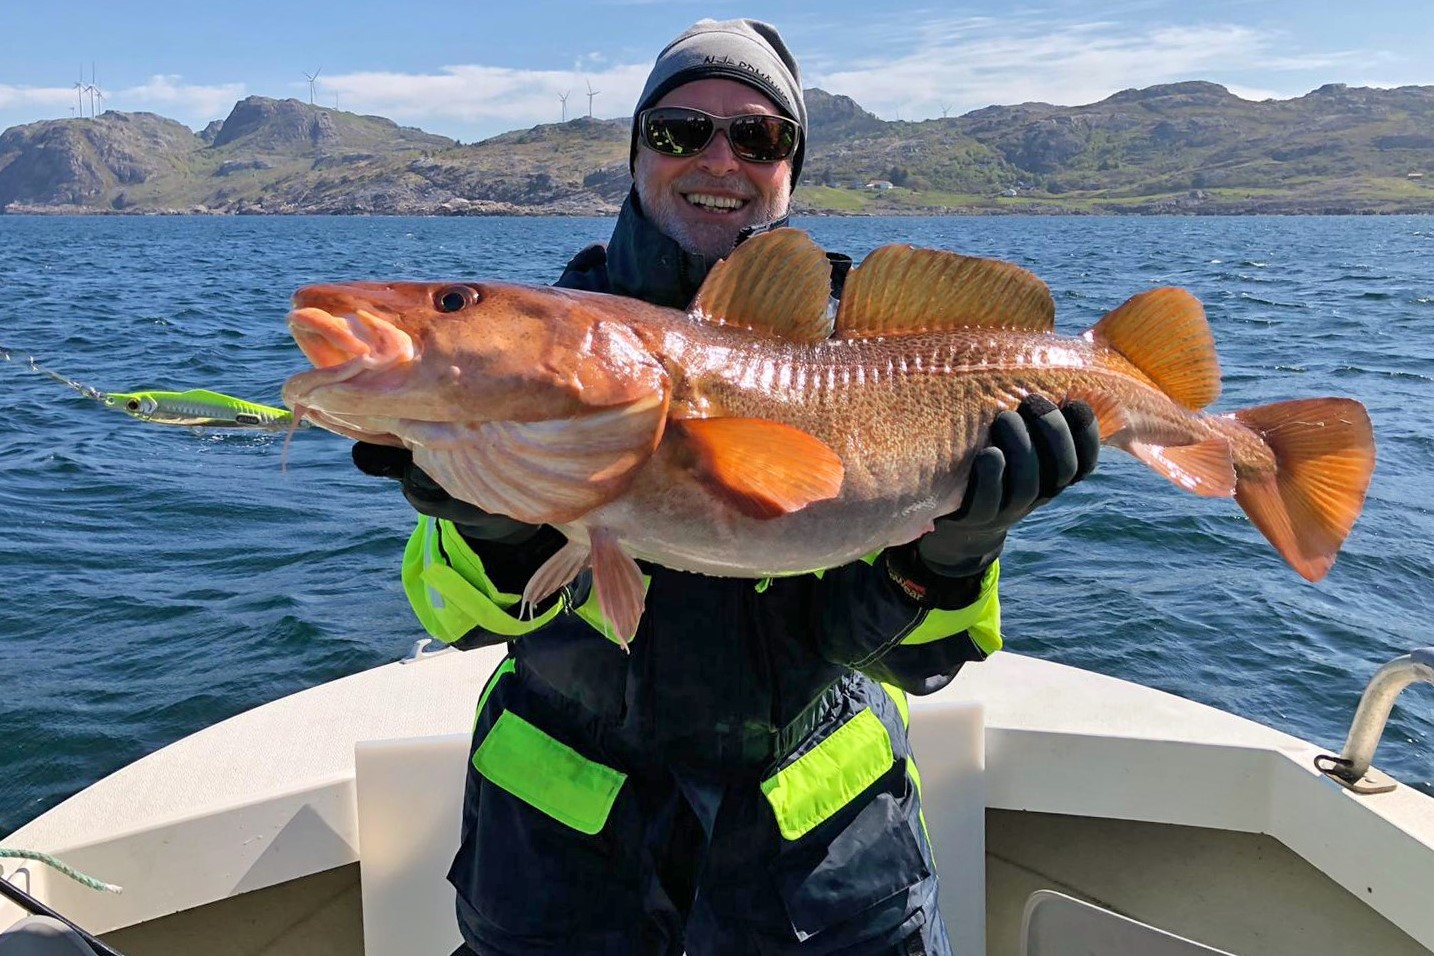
[1182, 147]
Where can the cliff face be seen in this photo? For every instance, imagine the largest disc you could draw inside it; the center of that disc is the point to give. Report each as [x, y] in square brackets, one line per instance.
[89, 162]
[292, 127]
[1188, 144]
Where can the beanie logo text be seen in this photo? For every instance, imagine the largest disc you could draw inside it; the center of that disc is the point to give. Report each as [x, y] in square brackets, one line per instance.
[744, 65]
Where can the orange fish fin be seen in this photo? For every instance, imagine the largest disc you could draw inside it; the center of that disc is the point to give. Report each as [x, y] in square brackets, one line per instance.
[1324, 456]
[762, 468]
[544, 472]
[618, 582]
[1163, 333]
[1109, 414]
[901, 290]
[554, 573]
[1205, 468]
[777, 282]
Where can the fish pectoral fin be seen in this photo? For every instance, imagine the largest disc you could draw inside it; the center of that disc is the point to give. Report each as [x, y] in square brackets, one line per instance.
[546, 472]
[902, 290]
[761, 468]
[777, 282]
[1205, 468]
[617, 579]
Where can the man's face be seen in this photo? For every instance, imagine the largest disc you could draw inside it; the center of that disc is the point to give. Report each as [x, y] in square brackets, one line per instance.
[690, 198]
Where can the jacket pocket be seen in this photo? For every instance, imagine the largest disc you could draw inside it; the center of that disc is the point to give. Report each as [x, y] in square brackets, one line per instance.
[847, 813]
[547, 774]
[809, 790]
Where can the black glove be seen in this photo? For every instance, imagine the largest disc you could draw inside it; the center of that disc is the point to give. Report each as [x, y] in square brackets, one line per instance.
[386, 461]
[1034, 453]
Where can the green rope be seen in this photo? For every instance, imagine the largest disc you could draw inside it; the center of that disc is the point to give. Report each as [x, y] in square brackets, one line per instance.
[71, 872]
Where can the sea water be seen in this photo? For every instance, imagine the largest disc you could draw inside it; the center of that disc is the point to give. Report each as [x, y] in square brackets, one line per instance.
[154, 580]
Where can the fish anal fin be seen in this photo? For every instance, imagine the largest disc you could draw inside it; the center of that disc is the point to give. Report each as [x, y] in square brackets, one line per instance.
[1204, 468]
[1163, 333]
[761, 468]
[777, 282]
[1324, 456]
[1110, 416]
[902, 290]
[618, 582]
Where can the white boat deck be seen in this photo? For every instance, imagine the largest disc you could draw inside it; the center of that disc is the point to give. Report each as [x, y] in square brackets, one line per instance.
[269, 795]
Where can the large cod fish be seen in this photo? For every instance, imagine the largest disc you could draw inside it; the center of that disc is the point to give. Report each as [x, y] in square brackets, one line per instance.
[757, 434]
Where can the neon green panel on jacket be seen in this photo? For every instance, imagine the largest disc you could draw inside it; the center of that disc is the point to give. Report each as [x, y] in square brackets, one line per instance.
[451, 594]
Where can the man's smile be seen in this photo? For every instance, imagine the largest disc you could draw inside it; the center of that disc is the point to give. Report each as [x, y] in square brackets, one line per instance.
[711, 202]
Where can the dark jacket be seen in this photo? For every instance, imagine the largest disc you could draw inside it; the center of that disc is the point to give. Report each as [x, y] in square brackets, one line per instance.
[723, 673]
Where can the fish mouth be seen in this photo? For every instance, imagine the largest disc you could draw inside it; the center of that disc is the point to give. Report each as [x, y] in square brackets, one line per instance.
[342, 347]
[353, 342]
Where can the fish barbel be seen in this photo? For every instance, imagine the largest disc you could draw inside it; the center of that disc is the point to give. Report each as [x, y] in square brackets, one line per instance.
[758, 434]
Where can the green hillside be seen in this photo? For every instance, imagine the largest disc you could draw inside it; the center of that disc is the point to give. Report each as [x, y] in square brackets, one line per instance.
[1184, 147]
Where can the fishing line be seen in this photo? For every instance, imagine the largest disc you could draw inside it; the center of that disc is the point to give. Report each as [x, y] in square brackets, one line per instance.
[195, 408]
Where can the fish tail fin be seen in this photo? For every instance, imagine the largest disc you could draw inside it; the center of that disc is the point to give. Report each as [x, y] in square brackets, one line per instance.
[1305, 505]
[1163, 333]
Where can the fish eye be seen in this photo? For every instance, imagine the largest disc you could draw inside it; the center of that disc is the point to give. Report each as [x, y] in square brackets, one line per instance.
[451, 298]
[132, 405]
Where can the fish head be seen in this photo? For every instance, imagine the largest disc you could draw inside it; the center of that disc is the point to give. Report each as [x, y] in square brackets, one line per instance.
[385, 352]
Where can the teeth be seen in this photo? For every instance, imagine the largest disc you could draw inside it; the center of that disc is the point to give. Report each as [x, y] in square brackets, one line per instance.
[715, 202]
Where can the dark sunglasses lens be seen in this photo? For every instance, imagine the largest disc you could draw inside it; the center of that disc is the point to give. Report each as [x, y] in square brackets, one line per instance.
[762, 139]
[677, 133]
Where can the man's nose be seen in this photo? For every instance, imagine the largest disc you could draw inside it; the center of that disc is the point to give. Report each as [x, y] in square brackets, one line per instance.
[718, 158]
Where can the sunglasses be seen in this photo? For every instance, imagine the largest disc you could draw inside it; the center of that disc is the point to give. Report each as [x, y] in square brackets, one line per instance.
[681, 131]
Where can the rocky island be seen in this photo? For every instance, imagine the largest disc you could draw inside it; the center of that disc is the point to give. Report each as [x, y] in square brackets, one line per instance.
[1192, 148]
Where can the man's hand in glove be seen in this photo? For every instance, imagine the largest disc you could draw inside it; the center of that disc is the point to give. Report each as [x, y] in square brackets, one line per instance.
[385, 461]
[1033, 454]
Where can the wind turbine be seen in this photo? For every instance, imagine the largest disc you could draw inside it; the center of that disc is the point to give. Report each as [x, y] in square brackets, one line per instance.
[312, 77]
[100, 95]
[93, 88]
[564, 98]
[591, 93]
[80, 91]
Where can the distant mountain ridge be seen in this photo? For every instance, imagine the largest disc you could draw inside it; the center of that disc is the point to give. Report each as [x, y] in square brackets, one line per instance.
[1178, 147]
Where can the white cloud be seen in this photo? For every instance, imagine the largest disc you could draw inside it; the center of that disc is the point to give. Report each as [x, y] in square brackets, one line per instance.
[469, 101]
[958, 65]
[165, 95]
[36, 97]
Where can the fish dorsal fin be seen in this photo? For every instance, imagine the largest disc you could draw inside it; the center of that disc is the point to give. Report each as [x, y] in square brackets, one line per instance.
[901, 290]
[1164, 334]
[777, 282]
[762, 468]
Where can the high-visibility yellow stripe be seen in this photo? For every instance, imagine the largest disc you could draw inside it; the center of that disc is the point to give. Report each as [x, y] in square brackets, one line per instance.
[981, 618]
[451, 597]
[830, 775]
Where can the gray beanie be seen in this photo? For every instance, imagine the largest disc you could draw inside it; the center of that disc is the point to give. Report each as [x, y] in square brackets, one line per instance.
[748, 51]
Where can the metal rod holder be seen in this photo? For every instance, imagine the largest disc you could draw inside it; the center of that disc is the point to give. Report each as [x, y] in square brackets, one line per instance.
[1351, 768]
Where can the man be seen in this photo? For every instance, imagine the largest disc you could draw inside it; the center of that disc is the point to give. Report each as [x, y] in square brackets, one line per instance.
[738, 781]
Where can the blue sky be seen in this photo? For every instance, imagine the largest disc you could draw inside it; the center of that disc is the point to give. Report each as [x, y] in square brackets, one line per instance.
[474, 69]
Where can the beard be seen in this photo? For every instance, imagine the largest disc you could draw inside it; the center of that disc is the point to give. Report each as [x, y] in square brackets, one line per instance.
[667, 209]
